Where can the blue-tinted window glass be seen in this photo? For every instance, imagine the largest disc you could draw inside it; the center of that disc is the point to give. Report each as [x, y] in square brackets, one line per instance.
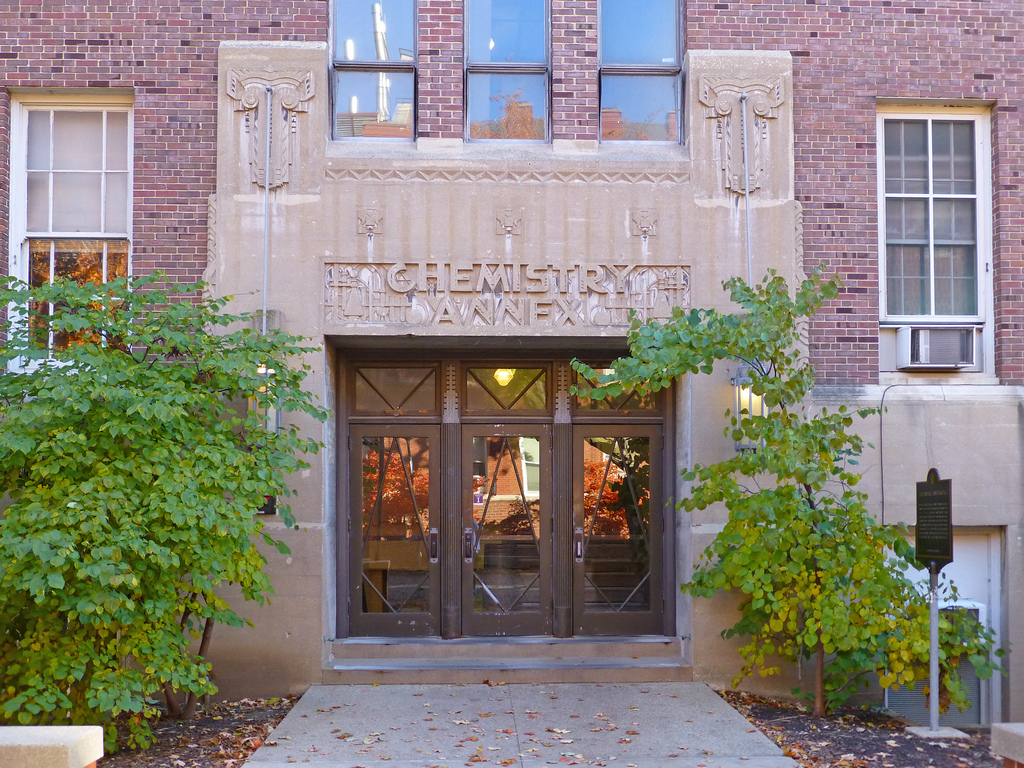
[632, 36]
[506, 31]
[512, 106]
[378, 104]
[639, 108]
[377, 30]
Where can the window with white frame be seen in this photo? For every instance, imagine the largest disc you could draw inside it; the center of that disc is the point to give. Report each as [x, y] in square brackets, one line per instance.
[640, 71]
[71, 202]
[374, 68]
[507, 69]
[934, 215]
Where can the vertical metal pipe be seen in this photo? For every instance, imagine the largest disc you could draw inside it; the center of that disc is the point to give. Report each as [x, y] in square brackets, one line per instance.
[933, 691]
[746, 188]
[267, 123]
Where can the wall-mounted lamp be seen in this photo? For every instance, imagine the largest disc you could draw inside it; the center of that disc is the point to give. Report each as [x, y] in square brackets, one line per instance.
[504, 375]
[747, 401]
[271, 415]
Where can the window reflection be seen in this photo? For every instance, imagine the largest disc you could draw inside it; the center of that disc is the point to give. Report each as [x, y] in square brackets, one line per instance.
[640, 74]
[506, 31]
[616, 523]
[396, 519]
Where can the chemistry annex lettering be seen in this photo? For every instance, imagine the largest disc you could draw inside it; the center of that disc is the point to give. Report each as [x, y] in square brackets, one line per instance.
[491, 294]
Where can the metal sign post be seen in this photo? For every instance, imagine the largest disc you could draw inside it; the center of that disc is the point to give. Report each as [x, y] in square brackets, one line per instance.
[934, 545]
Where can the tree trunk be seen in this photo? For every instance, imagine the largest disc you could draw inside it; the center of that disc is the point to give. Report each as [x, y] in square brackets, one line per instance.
[173, 707]
[193, 700]
[819, 681]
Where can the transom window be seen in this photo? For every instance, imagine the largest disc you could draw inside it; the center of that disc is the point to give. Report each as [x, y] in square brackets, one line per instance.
[640, 71]
[507, 69]
[934, 218]
[375, 68]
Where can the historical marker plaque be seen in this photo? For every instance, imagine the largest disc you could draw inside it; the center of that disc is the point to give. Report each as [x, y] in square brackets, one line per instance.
[934, 530]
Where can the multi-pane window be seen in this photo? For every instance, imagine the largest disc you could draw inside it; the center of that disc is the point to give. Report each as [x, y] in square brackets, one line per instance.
[375, 68]
[506, 69]
[932, 214]
[640, 71]
[75, 160]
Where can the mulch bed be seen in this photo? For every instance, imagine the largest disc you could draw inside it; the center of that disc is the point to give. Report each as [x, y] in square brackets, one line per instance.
[224, 735]
[857, 738]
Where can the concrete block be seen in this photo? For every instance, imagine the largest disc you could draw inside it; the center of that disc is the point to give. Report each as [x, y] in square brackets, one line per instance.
[50, 746]
[1008, 740]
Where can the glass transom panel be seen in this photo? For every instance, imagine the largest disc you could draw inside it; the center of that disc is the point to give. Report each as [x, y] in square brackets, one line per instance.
[506, 389]
[393, 389]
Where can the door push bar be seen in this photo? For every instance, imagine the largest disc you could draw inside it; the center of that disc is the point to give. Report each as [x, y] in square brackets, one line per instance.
[434, 536]
[577, 544]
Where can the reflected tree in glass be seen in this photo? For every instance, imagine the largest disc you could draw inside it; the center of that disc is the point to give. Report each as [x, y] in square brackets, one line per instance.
[396, 518]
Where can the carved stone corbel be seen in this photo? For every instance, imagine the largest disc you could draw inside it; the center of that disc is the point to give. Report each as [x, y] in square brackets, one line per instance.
[722, 100]
[288, 94]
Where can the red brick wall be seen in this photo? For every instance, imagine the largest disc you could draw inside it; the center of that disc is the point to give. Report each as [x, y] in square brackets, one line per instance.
[440, 57]
[574, 104]
[167, 52]
[845, 56]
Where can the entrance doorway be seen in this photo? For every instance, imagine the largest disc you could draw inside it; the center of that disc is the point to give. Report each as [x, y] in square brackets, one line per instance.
[485, 500]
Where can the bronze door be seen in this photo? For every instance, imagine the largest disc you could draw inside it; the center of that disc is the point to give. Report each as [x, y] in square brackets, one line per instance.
[395, 530]
[505, 515]
[618, 526]
[506, 530]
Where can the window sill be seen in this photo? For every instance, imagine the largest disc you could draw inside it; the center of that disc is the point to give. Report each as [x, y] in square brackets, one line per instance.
[484, 151]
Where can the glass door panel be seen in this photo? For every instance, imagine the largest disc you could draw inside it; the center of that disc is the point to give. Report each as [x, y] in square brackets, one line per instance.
[617, 531]
[506, 537]
[395, 564]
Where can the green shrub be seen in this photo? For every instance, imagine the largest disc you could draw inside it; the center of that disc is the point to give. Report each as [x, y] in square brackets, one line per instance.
[135, 457]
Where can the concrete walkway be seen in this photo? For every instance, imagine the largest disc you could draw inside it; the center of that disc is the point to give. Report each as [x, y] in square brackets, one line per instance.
[646, 725]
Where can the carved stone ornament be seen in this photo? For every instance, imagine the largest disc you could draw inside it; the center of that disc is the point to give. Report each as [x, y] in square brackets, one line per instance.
[529, 296]
[288, 94]
[370, 221]
[722, 99]
[643, 223]
[508, 221]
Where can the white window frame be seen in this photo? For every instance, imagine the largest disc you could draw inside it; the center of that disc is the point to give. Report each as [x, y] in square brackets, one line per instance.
[22, 103]
[983, 209]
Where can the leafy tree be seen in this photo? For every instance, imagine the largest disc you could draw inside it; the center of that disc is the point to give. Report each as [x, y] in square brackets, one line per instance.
[135, 457]
[822, 578]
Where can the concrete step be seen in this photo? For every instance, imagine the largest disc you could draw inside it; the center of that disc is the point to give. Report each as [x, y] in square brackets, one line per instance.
[506, 647]
[507, 660]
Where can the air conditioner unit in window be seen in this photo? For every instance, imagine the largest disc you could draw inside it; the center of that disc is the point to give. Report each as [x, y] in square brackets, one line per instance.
[911, 703]
[935, 348]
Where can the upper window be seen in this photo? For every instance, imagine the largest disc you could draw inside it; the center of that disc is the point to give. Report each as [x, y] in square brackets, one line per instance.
[507, 69]
[640, 71]
[375, 68]
[934, 214]
[71, 163]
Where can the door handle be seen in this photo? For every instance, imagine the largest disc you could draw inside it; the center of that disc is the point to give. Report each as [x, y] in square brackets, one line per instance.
[577, 544]
[467, 544]
[434, 536]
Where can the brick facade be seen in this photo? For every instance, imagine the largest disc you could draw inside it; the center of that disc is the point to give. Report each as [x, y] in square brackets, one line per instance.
[845, 58]
[166, 53]
[574, 104]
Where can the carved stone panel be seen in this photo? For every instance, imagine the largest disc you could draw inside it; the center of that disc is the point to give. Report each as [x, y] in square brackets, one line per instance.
[532, 297]
[724, 100]
[286, 94]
